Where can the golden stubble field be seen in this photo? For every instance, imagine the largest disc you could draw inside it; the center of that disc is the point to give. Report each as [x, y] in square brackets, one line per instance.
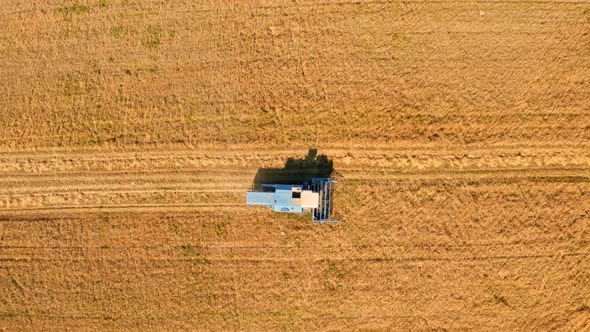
[130, 131]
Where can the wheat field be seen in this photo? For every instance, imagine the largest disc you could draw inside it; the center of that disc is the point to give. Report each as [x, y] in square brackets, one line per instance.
[130, 131]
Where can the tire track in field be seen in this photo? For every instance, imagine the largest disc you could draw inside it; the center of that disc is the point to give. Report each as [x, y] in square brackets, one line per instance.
[377, 260]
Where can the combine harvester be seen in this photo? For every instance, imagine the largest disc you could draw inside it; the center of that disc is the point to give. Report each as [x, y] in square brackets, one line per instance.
[313, 197]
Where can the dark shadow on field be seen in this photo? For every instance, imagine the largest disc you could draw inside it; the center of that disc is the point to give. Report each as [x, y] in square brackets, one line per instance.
[296, 171]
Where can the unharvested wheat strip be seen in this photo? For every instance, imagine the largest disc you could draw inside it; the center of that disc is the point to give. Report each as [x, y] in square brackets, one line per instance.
[532, 174]
[254, 154]
[128, 152]
[466, 160]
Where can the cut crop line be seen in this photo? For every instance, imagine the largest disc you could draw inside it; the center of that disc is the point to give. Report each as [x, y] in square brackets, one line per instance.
[32, 191]
[143, 174]
[127, 206]
[316, 260]
[324, 248]
[208, 152]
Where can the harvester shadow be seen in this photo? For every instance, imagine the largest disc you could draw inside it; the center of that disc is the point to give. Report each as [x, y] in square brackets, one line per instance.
[296, 171]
